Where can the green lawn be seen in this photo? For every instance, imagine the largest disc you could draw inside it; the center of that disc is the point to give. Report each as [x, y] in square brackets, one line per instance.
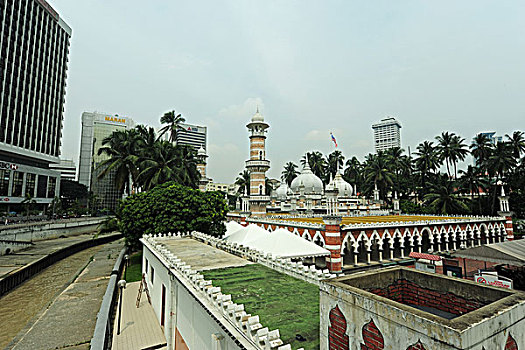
[134, 271]
[281, 301]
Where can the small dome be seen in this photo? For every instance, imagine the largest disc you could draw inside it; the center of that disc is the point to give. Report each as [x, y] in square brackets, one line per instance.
[257, 117]
[283, 191]
[201, 151]
[311, 183]
[344, 188]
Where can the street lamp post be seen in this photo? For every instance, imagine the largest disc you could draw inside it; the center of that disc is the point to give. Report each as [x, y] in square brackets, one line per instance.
[126, 264]
[122, 285]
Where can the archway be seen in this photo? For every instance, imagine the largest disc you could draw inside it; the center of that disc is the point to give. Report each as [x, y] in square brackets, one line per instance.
[425, 240]
[406, 245]
[362, 252]
[397, 246]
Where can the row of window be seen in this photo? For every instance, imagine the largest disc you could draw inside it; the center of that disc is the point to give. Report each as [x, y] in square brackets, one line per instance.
[41, 186]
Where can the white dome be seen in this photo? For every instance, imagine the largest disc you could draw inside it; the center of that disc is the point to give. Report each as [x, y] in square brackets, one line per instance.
[283, 191]
[257, 117]
[201, 151]
[345, 189]
[312, 184]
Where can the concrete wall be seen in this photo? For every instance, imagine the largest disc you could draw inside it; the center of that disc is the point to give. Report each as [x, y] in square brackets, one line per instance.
[356, 321]
[9, 247]
[189, 320]
[49, 230]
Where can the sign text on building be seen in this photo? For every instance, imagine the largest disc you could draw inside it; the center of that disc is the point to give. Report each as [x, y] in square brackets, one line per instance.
[8, 166]
[492, 279]
[115, 119]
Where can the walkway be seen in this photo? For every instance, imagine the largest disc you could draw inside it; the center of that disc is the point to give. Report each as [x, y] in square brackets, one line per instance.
[139, 326]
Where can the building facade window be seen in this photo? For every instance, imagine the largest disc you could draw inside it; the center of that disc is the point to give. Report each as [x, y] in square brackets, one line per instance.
[41, 189]
[30, 184]
[4, 182]
[18, 181]
[51, 187]
[152, 274]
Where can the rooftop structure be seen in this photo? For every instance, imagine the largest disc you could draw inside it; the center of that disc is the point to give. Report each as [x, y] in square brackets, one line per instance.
[402, 308]
[67, 169]
[387, 134]
[191, 135]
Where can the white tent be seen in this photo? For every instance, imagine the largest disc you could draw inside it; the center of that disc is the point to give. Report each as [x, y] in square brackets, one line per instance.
[246, 235]
[282, 243]
[231, 227]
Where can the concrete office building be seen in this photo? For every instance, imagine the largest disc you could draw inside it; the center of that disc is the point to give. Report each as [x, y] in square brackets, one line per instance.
[387, 134]
[95, 128]
[67, 169]
[34, 48]
[192, 135]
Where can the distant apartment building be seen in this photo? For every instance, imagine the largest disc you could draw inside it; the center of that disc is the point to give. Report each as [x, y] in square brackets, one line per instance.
[387, 134]
[34, 49]
[67, 169]
[231, 189]
[95, 128]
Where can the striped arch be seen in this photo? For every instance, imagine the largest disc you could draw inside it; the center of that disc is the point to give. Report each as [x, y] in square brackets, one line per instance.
[477, 231]
[386, 234]
[296, 232]
[306, 235]
[430, 235]
[410, 234]
[483, 227]
[457, 230]
[318, 235]
[270, 228]
[437, 234]
[361, 237]
[417, 235]
[349, 242]
[397, 233]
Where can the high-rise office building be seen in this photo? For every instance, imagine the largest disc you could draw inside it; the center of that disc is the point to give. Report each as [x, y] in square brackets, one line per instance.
[387, 134]
[34, 48]
[193, 135]
[492, 137]
[67, 169]
[95, 128]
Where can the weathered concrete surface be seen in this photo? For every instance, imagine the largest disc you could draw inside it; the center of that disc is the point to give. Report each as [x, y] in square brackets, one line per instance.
[70, 319]
[40, 249]
[201, 256]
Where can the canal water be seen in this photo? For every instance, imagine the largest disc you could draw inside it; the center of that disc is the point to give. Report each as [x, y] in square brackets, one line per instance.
[21, 305]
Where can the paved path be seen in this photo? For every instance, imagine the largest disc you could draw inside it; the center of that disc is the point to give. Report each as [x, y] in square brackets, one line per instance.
[12, 262]
[69, 320]
[139, 326]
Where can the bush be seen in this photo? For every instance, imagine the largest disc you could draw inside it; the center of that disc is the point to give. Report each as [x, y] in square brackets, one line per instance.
[171, 208]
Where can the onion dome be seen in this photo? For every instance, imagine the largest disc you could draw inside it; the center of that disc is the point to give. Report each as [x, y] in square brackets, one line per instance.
[311, 183]
[257, 117]
[344, 188]
[283, 192]
[201, 152]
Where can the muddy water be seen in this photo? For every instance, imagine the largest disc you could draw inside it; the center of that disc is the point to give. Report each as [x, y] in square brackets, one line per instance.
[19, 306]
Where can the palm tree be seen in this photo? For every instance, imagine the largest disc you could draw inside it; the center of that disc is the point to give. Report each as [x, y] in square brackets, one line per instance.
[481, 149]
[289, 173]
[28, 201]
[445, 142]
[243, 181]
[378, 173]
[517, 143]
[471, 181]
[188, 173]
[121, 149]
[353, 171]
[162, 164]
[334, 161]
[173, 121]
[427, 161]
[501, 160]
[445, 199]
[459, 151]
[316, 162]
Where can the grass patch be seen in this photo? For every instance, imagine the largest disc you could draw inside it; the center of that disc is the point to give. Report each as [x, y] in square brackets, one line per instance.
[281, 301]
[134, 270]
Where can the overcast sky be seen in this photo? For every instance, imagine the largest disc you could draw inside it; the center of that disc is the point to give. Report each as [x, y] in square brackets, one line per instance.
[311, 66]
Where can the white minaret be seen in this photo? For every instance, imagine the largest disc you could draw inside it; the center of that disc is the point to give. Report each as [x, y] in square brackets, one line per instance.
[258, 165]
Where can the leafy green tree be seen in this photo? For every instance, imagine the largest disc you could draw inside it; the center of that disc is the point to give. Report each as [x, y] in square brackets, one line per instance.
[316, 162]
[28, 202]
[481, 149]
[378, 173]
[172, 121]
[459, 152]
[71, 191]
[171, 207]
[427, 161]
[334, 162]
[289, 173]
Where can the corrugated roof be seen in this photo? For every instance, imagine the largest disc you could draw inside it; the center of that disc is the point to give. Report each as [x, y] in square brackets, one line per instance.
[510, 252]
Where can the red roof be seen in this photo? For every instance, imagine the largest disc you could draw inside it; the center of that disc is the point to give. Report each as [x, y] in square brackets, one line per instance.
[431, 257]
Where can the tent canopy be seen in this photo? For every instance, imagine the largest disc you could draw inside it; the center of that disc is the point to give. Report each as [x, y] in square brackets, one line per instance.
[280, 243]
[231, 227]
[510, 252]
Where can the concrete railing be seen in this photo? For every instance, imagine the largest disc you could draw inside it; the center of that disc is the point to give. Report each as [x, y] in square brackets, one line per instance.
[298, 270]
[103, 328]
[247, 324]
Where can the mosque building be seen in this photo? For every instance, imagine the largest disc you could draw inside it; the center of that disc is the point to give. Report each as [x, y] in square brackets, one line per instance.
[306, 194]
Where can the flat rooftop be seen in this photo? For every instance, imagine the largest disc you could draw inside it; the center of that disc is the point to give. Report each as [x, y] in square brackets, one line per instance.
[372, 219]
[281, 301]
[453, 302]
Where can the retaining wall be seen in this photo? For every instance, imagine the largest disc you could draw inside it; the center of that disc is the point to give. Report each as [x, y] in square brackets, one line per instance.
[16, 278]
